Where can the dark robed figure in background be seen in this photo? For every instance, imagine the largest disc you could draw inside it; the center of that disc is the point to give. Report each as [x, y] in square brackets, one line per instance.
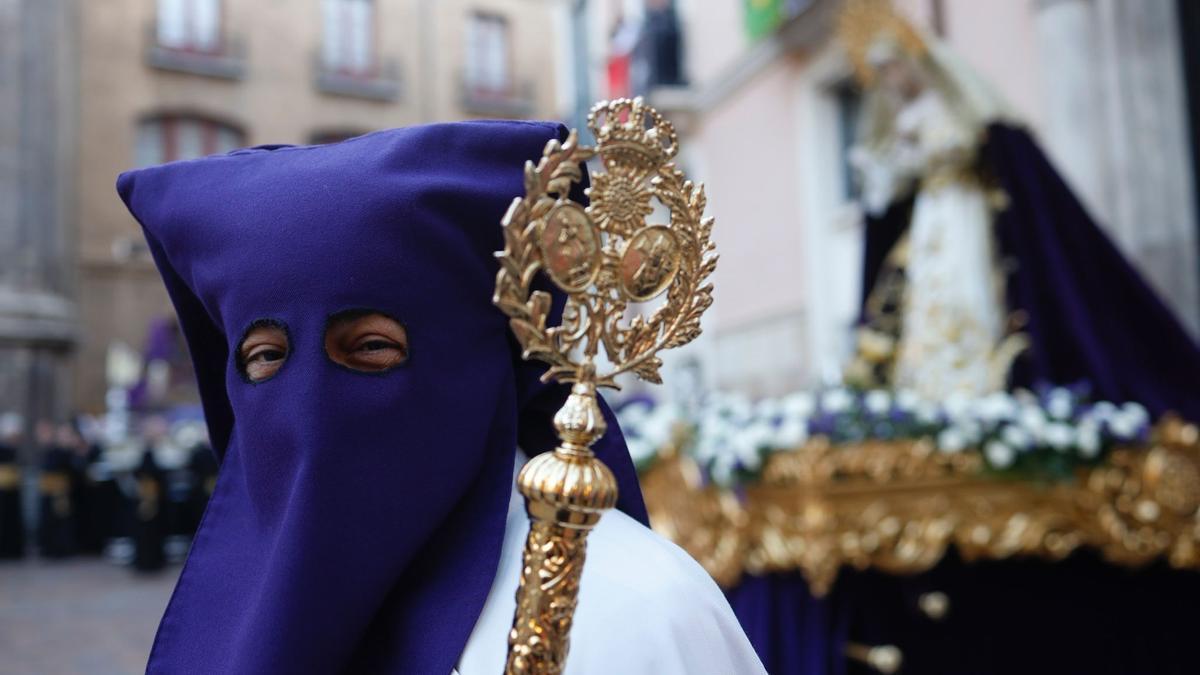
[150, 516]
[12, 522]
[57, 514]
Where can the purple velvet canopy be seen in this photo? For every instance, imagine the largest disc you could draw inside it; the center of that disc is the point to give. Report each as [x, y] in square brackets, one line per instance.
[357, 520]
[1091, 316]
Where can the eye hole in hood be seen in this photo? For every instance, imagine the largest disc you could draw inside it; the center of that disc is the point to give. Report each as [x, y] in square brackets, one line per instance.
[366, 341]
[263, 350]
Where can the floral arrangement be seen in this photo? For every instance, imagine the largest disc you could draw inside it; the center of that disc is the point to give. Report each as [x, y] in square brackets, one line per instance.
[1043, 434]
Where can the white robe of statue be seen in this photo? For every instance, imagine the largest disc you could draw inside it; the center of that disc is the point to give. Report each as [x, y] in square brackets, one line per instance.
[953, 310]
[645, 608]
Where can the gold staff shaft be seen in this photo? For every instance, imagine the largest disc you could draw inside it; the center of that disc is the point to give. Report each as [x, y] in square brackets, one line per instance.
[566, 492]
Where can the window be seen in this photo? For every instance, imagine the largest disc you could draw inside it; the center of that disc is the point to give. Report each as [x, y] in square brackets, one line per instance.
[325, 136]
[171, 137]
[488, 54]
[190, 25]
[349, 36]
[849, 110]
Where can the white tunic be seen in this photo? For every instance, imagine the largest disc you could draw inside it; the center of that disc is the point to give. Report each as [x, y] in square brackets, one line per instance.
[645, 608]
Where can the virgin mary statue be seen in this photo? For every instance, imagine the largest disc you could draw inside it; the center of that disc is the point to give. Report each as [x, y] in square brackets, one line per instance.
[982, 270]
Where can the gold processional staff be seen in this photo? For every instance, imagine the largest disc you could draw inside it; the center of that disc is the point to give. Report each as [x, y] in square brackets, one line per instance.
[605, 257]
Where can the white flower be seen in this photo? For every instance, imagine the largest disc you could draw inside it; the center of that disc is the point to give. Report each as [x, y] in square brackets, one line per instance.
[1060, 404]
[712, 420]
[1058, 435]
[907, 400]
[878, 402]
[997, 406]
[1089, 439]
[1103, 411]
[799, 405]
[768, 408]
[956, 405]
[739, 409]
[1123, 426]
[746, 449]
[1033, 420]
[722, 469]
[999, 455]
[971, 430]
[1137, 412]
[1017, 437]
[951, 440]
[836, 401]
[926, 412]
[791, 434]
[705, 450]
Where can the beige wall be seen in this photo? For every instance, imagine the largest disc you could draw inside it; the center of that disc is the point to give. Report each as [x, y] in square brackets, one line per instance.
[275, 101]
[747, 142]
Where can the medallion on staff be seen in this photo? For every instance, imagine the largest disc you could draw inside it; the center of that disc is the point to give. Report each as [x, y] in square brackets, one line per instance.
[607, 258]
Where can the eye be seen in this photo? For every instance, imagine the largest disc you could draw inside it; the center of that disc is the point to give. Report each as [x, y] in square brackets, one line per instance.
[263, 351]
[366, 341]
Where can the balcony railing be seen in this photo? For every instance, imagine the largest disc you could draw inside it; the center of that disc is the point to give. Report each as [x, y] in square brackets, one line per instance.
[226, 61]
[381, 82]
[515, 100]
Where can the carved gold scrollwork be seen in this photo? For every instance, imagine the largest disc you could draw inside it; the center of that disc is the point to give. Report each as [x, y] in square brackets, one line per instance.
[549, 587]
[604, 256]
[898, 506]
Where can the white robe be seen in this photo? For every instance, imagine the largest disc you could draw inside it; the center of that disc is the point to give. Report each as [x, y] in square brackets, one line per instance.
[645, 608]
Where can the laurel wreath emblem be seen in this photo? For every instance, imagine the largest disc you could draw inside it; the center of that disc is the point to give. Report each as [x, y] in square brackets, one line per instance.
[605, 256]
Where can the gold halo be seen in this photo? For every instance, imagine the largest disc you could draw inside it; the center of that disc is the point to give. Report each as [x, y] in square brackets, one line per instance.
[862, 22]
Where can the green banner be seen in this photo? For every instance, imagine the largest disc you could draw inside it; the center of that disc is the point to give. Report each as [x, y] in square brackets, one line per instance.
[763, 16]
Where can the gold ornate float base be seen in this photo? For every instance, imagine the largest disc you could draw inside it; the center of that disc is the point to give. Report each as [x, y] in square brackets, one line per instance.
[898, 506]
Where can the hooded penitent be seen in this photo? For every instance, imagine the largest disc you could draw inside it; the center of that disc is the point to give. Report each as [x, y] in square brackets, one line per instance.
[357, 519]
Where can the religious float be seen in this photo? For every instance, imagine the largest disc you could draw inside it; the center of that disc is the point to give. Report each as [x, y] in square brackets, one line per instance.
[871, 522]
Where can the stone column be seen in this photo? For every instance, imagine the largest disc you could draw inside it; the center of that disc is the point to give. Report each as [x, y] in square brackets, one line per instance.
[1117, 127]
[37, 141]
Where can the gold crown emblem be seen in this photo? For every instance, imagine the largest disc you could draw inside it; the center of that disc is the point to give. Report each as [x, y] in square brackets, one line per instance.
[863, 22]
[631, 133]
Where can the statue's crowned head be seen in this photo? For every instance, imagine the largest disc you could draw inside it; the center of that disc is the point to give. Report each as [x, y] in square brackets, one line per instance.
[877, 39]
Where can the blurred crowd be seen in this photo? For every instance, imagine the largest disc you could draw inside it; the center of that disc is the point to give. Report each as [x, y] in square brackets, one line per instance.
[135, 496]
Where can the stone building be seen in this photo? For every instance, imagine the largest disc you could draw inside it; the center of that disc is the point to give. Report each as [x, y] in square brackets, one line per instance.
[38, 316]
[163, 80]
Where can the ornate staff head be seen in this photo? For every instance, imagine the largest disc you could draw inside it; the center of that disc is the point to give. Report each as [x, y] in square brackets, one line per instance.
[607, 259]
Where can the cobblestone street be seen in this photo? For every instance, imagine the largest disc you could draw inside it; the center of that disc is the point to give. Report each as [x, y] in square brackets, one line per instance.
[83, 616]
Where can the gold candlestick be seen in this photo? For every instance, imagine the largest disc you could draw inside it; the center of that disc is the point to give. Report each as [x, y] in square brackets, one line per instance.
[604, 257]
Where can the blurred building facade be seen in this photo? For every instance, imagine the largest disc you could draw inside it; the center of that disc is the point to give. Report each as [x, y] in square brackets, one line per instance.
[162, 80]
[769, 112]
[760, 91]
[38, 317]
